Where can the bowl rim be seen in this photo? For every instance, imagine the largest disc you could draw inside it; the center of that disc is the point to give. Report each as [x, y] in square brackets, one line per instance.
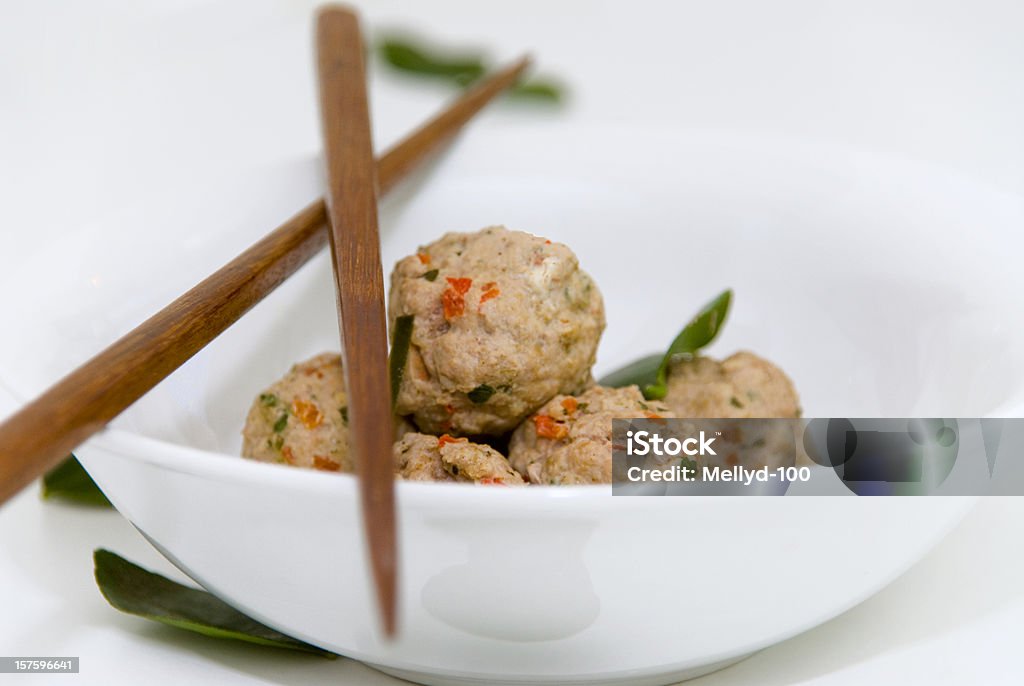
[187, 459]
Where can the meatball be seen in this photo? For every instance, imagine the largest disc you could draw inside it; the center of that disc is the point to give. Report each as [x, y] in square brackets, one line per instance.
[742, 385]
[569, 440]
[503, 321]
[302, 419]
[419, 457]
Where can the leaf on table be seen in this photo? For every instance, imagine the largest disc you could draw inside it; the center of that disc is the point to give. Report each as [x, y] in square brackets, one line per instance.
[462, 68]
[650, 373]
[538, 89]
[70, 481]
[409, 55]
[137, 591]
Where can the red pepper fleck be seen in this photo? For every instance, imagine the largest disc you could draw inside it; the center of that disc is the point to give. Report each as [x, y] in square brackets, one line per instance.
[460, 285]
[492, 481]
[454, 297]
[547, 427]
[547, 242]
[445, 439]
[570, 404]
[491, 290]
[325, 464]
[286, 453]
[424, 257]
[307, 413]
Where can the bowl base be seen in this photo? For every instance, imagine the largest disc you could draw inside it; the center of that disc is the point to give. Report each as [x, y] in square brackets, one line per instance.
[660, 679]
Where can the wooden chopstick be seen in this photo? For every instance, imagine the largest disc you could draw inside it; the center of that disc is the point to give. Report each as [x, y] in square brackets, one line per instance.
[43, 432]
[359, 279]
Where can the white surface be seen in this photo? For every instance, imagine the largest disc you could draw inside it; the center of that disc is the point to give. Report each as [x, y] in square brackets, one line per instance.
[955, 618]
[106, 102]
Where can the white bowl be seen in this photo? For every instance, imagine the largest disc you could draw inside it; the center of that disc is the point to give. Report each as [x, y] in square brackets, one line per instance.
[880, 285]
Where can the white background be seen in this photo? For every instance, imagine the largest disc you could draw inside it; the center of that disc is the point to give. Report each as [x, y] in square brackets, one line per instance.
[103, 101]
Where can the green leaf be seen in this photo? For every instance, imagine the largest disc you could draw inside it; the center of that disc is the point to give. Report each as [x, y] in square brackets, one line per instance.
[137, 591]
[701, 330]
[400, 343]
[642, 373]
[462, 69]
[651, 373]
[406, 55]
[70, 481]
[481, 394]
[538, 89]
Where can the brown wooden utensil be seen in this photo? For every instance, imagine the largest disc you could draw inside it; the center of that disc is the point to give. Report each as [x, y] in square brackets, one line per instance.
[359, 280]
[43, 432]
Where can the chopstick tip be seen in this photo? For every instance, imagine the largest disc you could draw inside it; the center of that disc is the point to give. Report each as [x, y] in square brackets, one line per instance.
[390, 624]
[386, 581]
[524, 62]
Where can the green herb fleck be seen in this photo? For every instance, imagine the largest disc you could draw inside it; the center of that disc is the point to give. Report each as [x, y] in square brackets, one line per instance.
[344, 415]
[690, 466]
[268, 399]
[281, 423]
[735, 402]
[481, 394]
[431, 275]
[137, 591]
